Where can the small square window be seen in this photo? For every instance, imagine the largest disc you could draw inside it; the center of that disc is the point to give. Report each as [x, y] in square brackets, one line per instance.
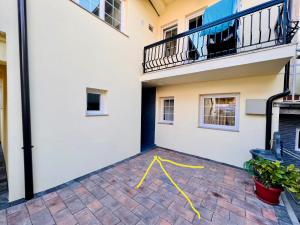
[95, 102]
[167, 110]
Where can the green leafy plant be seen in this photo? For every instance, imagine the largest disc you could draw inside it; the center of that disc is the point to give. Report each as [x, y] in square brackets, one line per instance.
[274, 174]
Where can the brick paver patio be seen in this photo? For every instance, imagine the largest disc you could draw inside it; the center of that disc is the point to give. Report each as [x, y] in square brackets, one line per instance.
[222, 194]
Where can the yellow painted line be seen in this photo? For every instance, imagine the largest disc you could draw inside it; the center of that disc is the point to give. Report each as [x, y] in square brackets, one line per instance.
[160, 160]
[180, 164]
[146, 173]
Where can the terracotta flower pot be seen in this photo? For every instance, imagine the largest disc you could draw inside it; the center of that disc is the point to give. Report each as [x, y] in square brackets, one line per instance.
[267, 195]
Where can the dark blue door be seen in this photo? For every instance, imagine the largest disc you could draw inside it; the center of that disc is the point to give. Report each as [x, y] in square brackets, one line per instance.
[148, 118]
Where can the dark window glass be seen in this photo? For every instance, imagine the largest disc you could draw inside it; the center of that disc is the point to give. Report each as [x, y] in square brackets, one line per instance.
[299, 140]
[195, 22]
[170, 47]
[93, 102]
[194, 40]
[113, 13]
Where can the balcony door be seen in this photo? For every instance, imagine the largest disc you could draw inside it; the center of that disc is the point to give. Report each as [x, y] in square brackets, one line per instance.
[170, 47]
[194, 43]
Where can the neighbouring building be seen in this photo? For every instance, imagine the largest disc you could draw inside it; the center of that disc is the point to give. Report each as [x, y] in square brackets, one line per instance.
[108, 78]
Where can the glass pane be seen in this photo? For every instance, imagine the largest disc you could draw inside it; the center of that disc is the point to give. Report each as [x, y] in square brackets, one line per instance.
[171, 102]
[174, 31]
[170, 47]
[90, 5]
[166, 117]
[168, 109]
[93, 102]
[166, 102]
[192, 23]
[219, 111]
[108, 19]
[108, 9]
[117, 25]
[117, 15]
[168, 34]
[117, 4]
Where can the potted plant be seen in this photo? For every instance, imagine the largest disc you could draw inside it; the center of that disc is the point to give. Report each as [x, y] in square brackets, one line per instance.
[271, 178]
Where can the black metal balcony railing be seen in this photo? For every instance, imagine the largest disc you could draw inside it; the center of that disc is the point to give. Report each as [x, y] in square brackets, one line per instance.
[262, 26]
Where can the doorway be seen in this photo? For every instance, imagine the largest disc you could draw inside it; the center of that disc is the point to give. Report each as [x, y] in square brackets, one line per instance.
[3, 123]
[148, 118]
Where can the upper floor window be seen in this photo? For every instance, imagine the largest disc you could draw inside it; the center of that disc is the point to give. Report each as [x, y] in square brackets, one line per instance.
[111, 11]
[220, 111]
[193, 22]
[170, 48]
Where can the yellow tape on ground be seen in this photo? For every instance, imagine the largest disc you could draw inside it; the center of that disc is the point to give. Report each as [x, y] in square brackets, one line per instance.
[180, 164]
[160, 160]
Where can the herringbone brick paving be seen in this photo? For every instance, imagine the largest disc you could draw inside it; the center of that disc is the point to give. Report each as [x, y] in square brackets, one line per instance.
[224, 195]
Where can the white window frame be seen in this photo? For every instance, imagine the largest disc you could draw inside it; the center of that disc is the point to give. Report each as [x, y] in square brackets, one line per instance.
[161, 113]
[168, 26]
[165, 30]
[193, 16]
[297, 139]
[102, 14]
[220, 127]
[102, 99]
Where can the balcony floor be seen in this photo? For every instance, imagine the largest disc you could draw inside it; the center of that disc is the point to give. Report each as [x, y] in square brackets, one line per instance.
[222, 194]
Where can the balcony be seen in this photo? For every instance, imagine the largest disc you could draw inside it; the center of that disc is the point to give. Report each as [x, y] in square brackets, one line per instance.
[251, 42]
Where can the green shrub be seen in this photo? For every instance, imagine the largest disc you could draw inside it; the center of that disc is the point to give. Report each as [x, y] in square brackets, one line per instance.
[274, 174]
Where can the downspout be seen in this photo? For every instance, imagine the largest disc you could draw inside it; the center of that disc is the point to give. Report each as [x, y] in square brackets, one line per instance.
[269, 107]
[26, 122]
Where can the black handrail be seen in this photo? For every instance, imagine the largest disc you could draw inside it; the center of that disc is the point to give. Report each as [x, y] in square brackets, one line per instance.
[218, 22]
[268, 25]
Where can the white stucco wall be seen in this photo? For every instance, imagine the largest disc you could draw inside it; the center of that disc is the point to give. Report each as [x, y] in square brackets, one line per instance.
[70, 50]
[223, 146]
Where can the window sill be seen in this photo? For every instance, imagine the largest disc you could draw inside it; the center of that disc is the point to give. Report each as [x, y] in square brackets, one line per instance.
[121, 32]
[95, 114]
[166, 123]
[219, 128]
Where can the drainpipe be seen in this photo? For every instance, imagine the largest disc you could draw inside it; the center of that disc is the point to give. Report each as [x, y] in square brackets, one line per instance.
[269, 106]
[27, 145]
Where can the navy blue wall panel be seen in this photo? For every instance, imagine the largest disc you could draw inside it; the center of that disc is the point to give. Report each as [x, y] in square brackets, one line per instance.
[148, 118]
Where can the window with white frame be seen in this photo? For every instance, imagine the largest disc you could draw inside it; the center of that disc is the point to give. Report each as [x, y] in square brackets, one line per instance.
[170, 47]
[219, 111]
[167, 110]
[297, 142]
[109, 10]
[112, 13]
[95, 102]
